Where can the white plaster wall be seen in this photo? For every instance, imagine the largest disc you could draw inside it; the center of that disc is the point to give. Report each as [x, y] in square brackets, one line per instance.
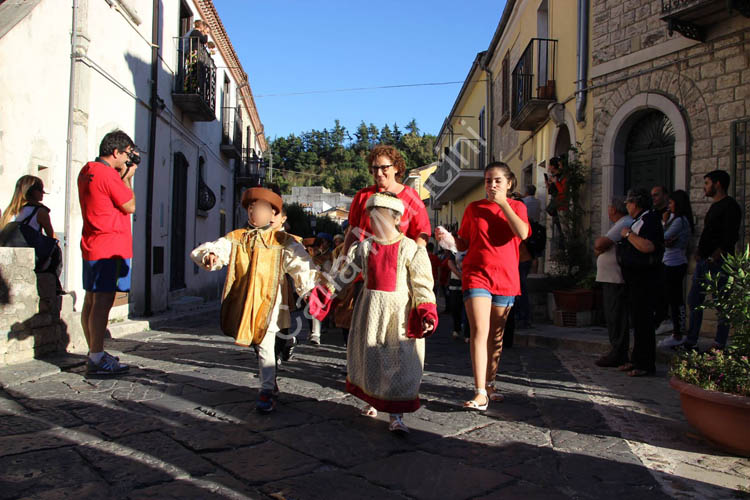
[33, 103]
[33, 129]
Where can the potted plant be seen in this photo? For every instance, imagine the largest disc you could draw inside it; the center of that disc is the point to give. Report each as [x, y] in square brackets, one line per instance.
[714, 386]
[572, 256]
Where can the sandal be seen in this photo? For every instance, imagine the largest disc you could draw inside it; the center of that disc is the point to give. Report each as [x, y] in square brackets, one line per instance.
[369, 411]
[397, 425]
[493, 394]
[626, 367]
[472, 403]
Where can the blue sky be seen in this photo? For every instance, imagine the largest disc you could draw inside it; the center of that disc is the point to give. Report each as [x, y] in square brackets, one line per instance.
[296, 45]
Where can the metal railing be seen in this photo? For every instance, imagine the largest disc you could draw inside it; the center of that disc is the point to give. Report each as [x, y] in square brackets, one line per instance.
[534, 74]
[231, 127]
[668, 6]
[252, 170]
[466, 154]
[196, 71]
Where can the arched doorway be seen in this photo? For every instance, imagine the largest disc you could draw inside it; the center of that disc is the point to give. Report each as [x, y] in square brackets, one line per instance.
[562, 142]
[649, 152]
[614, 152]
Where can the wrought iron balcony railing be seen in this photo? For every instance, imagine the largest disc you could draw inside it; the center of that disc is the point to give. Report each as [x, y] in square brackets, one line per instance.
[691, 18]
[231, 132]
[533, 84]
[195, 82]
[251, 171]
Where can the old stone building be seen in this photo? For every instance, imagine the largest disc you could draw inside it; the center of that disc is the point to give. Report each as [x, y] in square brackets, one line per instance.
[670, 82]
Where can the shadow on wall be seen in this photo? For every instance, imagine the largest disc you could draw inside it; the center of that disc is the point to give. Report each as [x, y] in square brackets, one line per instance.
[4, 290]
[48, 326]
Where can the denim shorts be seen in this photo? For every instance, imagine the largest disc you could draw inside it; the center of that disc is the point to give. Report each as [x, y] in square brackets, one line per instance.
[106, 275]
[497, 300]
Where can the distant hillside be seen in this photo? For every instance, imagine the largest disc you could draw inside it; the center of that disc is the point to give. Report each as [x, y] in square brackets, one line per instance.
[336, 159]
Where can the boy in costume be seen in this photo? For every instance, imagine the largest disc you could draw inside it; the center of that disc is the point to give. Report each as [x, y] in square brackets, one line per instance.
[257, 258]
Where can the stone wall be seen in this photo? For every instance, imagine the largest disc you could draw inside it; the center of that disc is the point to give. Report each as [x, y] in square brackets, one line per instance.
[34, 321]
[710, 83]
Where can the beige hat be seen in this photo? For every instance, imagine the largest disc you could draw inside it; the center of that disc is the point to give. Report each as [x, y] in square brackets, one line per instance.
[383, 200]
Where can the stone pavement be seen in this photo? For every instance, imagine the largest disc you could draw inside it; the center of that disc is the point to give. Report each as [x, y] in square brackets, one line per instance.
[182, 425]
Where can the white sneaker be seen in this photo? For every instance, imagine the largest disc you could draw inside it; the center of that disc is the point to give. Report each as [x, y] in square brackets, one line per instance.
[315, 339]
[665, 327]
[670, 342]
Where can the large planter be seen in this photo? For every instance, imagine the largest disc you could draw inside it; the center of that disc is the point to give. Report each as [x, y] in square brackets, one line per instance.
[722, 418]
[578, 300]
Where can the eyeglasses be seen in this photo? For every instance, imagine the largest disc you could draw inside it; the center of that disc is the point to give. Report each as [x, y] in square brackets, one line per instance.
[375, 168]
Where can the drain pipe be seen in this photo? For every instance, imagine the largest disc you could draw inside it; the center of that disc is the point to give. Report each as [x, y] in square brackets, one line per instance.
[69, 146]
[489, 156]
[583, 59]
[155, 21]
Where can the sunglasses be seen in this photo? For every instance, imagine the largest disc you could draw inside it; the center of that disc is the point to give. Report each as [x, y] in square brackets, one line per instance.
[384, 168]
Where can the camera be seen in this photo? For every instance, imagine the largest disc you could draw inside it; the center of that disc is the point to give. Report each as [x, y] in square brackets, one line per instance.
[133, 159]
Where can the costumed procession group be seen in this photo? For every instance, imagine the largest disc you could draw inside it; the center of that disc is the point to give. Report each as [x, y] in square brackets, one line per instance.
[384, 267]
[381, 277]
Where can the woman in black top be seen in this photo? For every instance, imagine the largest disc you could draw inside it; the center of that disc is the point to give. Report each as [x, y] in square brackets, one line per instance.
[639, 254]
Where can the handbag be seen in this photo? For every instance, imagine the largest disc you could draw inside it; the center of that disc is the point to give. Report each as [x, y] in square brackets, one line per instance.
[20, 234]
[630, 258]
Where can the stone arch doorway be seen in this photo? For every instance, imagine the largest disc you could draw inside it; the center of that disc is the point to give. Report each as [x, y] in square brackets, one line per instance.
[562, 142]
[614, 151]
[649, 152]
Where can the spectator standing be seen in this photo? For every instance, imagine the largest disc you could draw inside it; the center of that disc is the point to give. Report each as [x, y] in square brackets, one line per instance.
[639, 255]
[105, 192]
[720, 234]
[614, 293]
[678, 228]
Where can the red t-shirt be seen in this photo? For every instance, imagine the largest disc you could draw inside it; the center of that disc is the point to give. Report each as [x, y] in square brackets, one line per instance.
[492, 259]
[106, 228]
[414, 222]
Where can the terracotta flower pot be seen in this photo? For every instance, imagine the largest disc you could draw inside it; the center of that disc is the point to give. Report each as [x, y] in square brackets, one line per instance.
[578, 300]
[723, 418]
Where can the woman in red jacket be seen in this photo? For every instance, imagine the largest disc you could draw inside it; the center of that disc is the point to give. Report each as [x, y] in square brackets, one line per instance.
[492, 229]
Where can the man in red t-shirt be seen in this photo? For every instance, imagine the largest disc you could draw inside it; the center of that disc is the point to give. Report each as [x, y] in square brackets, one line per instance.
[105, 192]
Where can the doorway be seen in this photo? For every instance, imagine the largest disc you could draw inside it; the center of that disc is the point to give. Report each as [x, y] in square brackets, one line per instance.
[179, 223]
[649, 153]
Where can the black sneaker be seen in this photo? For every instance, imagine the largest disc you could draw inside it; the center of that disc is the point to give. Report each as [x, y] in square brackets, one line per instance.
[288, 352]
[107, 366]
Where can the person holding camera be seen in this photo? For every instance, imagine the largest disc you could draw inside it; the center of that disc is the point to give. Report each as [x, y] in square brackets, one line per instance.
[557, 185]
[105, 192]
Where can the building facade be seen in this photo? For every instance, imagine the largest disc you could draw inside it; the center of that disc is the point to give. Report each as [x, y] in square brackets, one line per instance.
[671, 88]
[188, 107]
[462, 150]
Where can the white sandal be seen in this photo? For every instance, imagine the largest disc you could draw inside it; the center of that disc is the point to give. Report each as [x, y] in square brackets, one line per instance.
[398, 425]
[473, 405]
[369, 411]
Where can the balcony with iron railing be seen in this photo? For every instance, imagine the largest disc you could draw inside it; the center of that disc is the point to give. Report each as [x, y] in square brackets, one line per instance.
[195, 83]
[231, 132]
[692, 18]
[459, 170]
[533, 84]
[251, 172]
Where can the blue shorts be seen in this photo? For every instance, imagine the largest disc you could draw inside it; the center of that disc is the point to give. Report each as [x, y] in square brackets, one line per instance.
[497, 300]
[106, 275]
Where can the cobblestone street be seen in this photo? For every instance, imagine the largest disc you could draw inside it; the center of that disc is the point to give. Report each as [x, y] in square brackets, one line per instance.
[182, 424]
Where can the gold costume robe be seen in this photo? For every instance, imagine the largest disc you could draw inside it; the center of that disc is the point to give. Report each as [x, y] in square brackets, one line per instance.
[257, 260]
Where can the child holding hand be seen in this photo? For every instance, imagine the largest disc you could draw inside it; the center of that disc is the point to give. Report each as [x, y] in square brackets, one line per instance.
[392, 315]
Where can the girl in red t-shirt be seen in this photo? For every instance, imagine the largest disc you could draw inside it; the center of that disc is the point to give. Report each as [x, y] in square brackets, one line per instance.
[492, 230]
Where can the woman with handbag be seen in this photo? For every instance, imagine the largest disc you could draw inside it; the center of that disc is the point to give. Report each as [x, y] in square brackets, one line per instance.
[639, 254]
[27, 199]
[26, 209]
